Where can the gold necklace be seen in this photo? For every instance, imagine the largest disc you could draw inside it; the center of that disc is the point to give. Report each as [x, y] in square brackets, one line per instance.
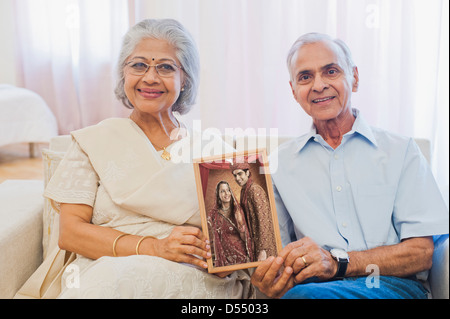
[165, 154]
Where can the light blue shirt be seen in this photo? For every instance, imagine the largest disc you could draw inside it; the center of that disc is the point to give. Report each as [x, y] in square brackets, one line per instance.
[375, 189]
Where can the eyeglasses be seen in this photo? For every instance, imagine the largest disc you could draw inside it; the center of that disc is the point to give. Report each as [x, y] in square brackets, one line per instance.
[165, 69]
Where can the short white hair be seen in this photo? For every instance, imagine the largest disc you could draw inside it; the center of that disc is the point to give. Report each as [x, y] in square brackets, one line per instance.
[314, 37]
[186, 51]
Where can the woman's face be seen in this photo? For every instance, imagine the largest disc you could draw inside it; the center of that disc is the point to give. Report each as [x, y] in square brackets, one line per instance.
[151, 93]
[224, 193]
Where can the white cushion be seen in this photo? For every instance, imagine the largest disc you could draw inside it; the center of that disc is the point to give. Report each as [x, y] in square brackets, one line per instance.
[439, 271]
[60, 143]
[21, 206]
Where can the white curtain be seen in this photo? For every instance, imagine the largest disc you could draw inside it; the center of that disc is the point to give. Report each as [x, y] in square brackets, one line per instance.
[68, 51]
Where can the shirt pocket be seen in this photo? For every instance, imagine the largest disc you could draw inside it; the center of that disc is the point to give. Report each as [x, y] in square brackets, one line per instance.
[374, 207]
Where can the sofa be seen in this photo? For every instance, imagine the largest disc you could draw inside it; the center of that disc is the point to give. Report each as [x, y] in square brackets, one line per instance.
[29, 223]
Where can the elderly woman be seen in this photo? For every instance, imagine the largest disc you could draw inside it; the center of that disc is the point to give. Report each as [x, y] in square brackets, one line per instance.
[228, 229]
[128, 212]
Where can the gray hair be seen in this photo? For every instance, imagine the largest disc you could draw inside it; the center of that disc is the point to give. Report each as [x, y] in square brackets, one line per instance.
[186, 51]
[313, 37]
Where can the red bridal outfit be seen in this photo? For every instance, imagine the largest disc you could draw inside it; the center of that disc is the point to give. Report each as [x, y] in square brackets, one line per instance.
[231, 242]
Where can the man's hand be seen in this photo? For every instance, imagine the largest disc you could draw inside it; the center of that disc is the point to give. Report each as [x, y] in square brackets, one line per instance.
[272, 278]
[308, 260]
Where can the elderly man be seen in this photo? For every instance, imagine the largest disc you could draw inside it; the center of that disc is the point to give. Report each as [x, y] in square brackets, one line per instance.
[358, 206]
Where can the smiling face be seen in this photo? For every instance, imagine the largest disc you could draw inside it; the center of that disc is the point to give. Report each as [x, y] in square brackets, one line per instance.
[320, 81]
[224, 193]
[241, 176]
[151, 93]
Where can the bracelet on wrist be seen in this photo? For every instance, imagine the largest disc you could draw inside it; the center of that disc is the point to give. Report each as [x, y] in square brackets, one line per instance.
[140, 241]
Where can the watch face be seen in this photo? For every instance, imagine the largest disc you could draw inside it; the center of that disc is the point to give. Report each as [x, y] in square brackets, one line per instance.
[339, 253]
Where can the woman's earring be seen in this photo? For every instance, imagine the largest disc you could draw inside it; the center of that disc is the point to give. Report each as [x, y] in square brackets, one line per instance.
[182, 89]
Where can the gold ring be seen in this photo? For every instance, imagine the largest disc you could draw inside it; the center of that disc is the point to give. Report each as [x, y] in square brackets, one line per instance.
[304, 260]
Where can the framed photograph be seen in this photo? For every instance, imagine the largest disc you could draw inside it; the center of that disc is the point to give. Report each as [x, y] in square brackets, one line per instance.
[237, 209]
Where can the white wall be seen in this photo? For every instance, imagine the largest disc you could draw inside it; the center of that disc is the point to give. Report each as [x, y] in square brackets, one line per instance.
[7, 35]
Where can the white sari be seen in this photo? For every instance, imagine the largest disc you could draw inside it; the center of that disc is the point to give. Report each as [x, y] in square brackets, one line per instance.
[114, 168]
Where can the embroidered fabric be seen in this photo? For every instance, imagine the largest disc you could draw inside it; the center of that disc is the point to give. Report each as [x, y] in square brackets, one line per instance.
[230, 238]
[255, 203]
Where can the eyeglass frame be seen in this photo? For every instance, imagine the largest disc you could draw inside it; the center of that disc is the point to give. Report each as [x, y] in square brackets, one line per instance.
[156, 69]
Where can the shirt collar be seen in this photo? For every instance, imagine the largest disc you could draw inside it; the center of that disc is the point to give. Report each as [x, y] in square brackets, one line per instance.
[304, 139]
[363, 128]
[360, 126]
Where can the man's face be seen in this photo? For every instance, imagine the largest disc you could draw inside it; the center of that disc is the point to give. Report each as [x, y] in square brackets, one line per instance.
[320, 81]
[241, 176]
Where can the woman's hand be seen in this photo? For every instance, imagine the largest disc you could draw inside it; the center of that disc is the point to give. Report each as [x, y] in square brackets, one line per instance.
[185, 244]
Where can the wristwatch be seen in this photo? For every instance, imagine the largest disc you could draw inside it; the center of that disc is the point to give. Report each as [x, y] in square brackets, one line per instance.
[342, 258]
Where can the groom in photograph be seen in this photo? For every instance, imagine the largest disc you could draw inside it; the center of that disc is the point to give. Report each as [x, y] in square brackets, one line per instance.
[255, 204]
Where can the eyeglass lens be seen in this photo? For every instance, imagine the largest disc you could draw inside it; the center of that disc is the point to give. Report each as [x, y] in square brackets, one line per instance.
[163, 69]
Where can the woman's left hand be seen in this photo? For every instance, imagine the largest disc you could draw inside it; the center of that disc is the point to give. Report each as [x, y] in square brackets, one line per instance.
[185, 244]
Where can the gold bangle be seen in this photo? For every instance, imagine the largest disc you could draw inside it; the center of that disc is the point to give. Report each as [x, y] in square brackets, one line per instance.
[140, 241]
[115, 242]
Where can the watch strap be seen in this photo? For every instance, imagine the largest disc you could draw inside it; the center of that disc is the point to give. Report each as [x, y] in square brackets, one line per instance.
[342, 268]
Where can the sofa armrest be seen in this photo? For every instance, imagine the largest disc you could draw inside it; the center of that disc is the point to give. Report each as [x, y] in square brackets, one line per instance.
[438, 277]
[21, 205]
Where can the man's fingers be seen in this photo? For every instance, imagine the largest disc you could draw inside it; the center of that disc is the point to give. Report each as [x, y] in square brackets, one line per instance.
[271, 279]
[306, 273]
[287, 250]
[293, 256]
[260, 272]
[273, 270]
[285, 283]
[283, 279]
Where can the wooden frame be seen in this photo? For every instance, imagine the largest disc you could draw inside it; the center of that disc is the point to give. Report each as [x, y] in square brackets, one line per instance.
[245, 240]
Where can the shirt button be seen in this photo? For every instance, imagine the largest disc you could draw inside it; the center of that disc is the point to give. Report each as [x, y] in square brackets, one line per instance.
[336, 157]
[339, 188]
[344, 224]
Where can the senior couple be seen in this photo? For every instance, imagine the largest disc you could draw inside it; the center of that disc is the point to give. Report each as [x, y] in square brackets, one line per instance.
[348, 195]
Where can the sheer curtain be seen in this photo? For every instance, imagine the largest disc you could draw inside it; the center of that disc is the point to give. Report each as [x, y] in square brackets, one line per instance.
[68, 50]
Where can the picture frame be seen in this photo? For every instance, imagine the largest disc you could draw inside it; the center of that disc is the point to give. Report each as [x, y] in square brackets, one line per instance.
[237, 209]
